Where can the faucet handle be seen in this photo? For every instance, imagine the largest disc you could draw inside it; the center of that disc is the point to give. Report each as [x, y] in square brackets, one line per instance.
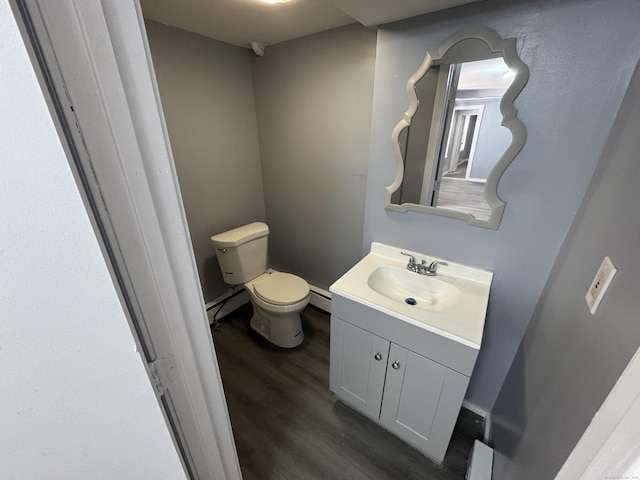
[434, 265]
[412, 259]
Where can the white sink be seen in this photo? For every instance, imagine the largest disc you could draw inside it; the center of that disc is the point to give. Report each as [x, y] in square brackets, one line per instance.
[452, 304]
[419, 291]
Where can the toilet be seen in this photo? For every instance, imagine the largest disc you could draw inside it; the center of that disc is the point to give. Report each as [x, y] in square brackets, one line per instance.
[277, 297]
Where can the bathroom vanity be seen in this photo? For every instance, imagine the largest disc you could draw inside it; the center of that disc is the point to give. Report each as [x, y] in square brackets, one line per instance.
[404, 344]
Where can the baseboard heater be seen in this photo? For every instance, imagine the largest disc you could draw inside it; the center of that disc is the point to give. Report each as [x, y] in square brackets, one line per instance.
[226, 304]
[320, 298]
[480, 462]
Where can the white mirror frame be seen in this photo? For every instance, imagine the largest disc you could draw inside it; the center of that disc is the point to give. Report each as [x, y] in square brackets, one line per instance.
[496, 44]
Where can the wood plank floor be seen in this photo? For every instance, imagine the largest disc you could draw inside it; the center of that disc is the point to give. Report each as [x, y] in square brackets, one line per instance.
[288, 425]
[464, 196]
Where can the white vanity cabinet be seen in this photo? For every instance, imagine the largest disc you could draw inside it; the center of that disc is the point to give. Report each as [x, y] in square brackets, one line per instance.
[381, 366]
[358, 366]
[418, 398]
[404, 344]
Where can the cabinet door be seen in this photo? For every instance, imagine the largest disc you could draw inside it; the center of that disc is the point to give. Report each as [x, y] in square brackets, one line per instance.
[357, 366]
[411, 395]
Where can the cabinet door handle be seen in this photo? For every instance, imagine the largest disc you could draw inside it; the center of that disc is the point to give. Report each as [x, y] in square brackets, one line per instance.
[395, 365]
[377, 356]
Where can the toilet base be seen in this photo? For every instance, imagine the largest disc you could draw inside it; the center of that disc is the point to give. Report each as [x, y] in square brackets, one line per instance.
[283, 330]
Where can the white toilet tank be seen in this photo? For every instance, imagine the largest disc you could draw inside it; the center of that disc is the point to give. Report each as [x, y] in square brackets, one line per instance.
[242, 252]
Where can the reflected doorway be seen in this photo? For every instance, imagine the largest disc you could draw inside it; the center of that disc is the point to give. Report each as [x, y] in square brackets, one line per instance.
[460, 146]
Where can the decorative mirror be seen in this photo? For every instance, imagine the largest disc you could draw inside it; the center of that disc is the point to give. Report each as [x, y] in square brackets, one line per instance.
[461, 130]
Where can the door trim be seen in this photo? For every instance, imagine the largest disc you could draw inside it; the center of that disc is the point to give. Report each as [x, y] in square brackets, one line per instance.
[474, 141]
[93, 62]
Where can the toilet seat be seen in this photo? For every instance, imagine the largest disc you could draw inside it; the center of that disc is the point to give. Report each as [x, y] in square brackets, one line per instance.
[278, 288]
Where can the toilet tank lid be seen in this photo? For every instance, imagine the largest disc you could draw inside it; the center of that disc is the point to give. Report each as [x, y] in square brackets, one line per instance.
[240, 235]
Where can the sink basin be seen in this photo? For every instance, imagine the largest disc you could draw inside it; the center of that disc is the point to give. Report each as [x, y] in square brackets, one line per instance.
[420, 291]
[453, 304]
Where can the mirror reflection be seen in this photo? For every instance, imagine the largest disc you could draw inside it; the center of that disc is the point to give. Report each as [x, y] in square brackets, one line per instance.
[461, 126]
[475, 139]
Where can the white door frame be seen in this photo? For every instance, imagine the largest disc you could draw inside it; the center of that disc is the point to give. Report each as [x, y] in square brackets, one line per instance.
[609, 447]
[474, 141]
[96, 72]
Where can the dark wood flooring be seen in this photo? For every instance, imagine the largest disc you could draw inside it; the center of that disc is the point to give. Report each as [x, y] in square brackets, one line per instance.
[288, 425]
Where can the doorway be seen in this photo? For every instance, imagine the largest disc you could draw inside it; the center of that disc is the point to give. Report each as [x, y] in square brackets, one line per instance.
[461, 145]
[91, 59]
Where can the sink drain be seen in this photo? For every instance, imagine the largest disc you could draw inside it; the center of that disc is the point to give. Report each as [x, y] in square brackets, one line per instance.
[410, 301]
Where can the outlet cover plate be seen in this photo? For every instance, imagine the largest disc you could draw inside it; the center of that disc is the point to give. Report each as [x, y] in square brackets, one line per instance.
[600, 283]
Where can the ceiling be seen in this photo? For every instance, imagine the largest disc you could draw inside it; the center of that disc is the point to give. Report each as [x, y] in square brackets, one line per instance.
[240, 22]
[485, 74]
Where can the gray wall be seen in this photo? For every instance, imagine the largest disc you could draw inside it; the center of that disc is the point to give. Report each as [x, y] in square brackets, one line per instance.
[569, 360]
[313, 102]
[206, 89]
[580, 68]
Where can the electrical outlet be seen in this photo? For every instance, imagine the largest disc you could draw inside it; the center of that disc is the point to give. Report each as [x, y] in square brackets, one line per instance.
[600, 283]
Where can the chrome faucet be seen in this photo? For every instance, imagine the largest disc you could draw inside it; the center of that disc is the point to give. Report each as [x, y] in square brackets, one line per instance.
[432, 269]
[422, 268]
[412, 265]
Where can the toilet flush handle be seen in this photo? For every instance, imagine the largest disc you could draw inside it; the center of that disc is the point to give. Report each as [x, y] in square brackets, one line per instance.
[223, 250]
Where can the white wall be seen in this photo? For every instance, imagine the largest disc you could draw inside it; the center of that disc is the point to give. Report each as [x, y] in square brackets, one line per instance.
[76, 400]
[206, 88]
[580, 68]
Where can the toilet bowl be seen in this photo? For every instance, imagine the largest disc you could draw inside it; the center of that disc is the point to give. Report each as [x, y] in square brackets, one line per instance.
[277, 297]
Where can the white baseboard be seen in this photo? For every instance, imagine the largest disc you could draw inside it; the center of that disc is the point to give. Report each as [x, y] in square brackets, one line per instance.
[484, 414]
[235, 302]
[487, 429]
[320, 298]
